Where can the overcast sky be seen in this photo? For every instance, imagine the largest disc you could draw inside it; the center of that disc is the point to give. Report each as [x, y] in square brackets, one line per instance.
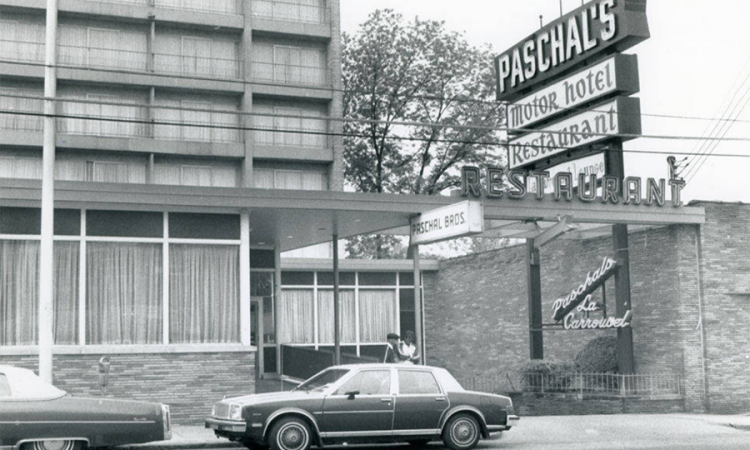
[697, 58]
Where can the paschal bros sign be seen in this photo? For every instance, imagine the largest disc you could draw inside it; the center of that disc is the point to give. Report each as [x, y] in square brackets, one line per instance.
[615, 75]
[449, 222]
[617, 118]
[560, 46]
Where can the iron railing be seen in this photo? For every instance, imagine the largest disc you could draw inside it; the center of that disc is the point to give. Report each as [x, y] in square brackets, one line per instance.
[197, 65]
[70, 55]
[605, 384]
[13, 50]
[291, 74]
[213, 6]
[288, 11]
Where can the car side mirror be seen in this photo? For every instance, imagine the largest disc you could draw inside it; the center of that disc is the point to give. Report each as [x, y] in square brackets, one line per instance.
[350, 395]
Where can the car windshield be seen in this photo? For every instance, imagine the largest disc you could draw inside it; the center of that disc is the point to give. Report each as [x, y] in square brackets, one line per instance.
[25, 385]
[322, 379]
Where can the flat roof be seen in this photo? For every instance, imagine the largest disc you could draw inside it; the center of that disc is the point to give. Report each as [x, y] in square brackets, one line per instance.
[294, 219]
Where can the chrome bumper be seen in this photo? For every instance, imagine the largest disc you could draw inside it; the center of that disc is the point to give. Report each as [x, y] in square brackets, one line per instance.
[234, 426]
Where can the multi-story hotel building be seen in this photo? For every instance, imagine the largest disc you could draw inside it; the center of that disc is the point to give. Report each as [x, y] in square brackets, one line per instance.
[193, 145]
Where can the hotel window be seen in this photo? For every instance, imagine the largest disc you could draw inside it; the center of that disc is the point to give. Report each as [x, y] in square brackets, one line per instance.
[195, 175]
[208, 120]
[301, 129]
[291, 179]
[19, 292]
[10, 100]
[295, 312]
[196, 55]
[312, 11]
[128, 117]
[347, 315]
[21, 40]
[102, 47]
[289, 64]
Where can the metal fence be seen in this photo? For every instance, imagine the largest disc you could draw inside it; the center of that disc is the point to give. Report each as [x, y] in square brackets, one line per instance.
[292, 12]
[605, 384]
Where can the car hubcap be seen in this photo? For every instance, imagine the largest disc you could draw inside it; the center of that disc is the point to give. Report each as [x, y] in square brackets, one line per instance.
[53, 445]
[463, 432]
[292, 437]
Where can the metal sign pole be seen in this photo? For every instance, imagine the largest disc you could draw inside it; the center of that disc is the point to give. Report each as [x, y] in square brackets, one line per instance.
[534, 289]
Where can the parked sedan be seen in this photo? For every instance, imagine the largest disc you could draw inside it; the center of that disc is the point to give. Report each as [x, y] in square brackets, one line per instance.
[35, 415]
[365, 403]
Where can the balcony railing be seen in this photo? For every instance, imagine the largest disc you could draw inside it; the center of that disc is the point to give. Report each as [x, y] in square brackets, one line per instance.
[214, 6]
[102, 57]
[290, 136]
[103, 125]
[196, 65]
[592, 384]
[21, 51]
[291, 74]
[292, 12]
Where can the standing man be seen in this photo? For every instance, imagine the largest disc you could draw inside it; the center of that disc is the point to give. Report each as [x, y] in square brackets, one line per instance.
[408, 348]
[392, 352]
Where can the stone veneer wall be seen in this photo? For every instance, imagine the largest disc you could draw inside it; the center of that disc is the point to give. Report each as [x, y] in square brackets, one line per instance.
[188, 382]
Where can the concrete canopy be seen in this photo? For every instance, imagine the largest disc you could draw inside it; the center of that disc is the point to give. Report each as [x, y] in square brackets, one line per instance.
[295, 219]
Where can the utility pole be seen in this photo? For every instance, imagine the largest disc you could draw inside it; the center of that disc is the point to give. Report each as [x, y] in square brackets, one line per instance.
[46, 275]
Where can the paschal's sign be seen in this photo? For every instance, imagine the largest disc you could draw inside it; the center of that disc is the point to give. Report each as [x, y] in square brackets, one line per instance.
[617, 118]
[565, 43]
[617, 74]
[567, 304]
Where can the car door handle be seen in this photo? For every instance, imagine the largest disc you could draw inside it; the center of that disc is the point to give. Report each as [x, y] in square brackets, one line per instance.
[386, 400]
[439, 399]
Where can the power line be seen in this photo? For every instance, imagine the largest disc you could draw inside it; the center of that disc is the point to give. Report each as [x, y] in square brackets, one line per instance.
[381, 122]
[364, 136]
[333, 89]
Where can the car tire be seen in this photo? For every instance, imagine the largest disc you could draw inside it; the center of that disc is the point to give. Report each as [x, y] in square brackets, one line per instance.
[462, 432]
[290, 433]
[418, 442]
[53, 445]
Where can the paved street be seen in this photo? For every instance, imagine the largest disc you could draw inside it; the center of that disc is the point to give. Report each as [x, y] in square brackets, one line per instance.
[607, 432]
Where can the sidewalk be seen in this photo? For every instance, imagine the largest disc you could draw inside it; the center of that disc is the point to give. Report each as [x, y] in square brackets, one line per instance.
[194, 437]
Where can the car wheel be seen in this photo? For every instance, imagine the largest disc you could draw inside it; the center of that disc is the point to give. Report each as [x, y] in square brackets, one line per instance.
[56, 444]
[461, 432]
[419, 442]
[290, 433]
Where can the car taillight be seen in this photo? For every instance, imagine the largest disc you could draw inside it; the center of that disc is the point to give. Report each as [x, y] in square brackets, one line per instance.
[166, 422]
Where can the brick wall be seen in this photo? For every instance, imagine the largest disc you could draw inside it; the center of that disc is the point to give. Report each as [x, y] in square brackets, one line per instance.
[188, 382]
[477, 316]
[725, 246]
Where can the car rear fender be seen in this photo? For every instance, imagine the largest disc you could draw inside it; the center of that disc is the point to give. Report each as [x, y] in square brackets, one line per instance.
[286, 412]
[469, 410]
[28, 441]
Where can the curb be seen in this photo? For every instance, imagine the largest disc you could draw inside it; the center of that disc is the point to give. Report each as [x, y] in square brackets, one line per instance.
[188, 445]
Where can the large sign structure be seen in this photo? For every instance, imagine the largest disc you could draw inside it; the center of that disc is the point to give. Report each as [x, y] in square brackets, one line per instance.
[567, 88]
[592, 29]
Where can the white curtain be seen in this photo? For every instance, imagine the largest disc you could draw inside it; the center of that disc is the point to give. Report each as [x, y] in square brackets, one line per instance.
[18, 167]
[377, 314]
[196, 56]
[66, 292]
[262, 67]
[70, 170]
[196, 133]
[288, 127]
[196, 175]
[263, 123]
[287, 62]
[167, 53]
[123, 293]
[295, 311]
[19, 292]
[224, 177]
[110, 172]
[314, 181]
[168, 132]
[313, 66]
[263, 178]
[204, 294]
[19, 122]
[288, 179]
[347, 315]
[22, 41]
